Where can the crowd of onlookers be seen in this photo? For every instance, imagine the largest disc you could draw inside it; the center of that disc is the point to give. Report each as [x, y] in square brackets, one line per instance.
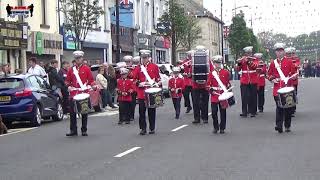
[311, 69]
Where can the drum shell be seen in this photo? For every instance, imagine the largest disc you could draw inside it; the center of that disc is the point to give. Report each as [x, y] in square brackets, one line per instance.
[200, 67]
[154, 99]
[287, 100]
[231, 101]
[83, 106]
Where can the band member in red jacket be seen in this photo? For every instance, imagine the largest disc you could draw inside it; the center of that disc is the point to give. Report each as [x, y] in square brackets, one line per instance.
[135, 67]
[261, 72]
[187, 77]
[124, 90]
[288, 69]
[248, 65]
[72, 83]
[200, 95]
[215, 90]
[142, 82]
[176, 86]
[296, 61]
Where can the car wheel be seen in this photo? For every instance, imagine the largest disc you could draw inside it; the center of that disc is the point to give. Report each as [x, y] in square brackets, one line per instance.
[36, 121]
[59, 115]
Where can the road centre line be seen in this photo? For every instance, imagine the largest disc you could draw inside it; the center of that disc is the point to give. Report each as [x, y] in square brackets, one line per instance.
[15, 131]
[178, 128]
[127, 152]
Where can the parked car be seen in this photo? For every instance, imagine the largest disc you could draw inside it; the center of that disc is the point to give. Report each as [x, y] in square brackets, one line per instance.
[28, 98]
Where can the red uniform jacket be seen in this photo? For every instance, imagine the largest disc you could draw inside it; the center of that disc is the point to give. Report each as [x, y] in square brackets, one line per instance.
[174, 85]
[153, 71]
[296, 62]
[85, 76]
[125, 89]
[132, 77]
[187, 77]
[202, 86]
[248, 68]
[288, 70]
[262, 75]
[213, 83]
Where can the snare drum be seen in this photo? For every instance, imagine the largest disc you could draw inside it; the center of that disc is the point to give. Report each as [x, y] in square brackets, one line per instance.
[154, 97]
[228, 96]
[287, 97]
[82, 102]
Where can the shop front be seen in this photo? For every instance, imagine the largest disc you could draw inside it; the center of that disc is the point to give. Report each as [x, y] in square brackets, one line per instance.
[126, 43]
[162, 47]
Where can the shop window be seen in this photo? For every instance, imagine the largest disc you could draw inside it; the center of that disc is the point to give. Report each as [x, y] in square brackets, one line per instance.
[182, 55]
[160, 57]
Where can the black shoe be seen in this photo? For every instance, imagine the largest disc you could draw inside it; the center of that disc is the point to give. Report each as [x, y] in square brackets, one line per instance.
[253, 115]
[195, 122]
[132, 119]
[127, 122]
[280, 130]
[243, 115]
[72, 134]
[215, 131]
[221, 131]
[151, 132]
[293, 115]
[205, 121]
[120, 122]
[177, 117]
[143, 132]
[189, 109]
[288, 130]
[84, 134]
[261, 110]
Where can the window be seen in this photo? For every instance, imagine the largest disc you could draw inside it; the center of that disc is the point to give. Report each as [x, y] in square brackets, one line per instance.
[161, 57]
[34, 82]
[182, 55]
[138, 7]
[147, 18]
[44, 11]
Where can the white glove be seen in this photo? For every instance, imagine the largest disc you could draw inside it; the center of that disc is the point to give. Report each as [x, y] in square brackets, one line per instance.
[275, 81]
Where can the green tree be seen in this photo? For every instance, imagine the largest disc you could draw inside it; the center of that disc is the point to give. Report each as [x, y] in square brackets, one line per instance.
[80, 16]
[239, 36]
[183, 30]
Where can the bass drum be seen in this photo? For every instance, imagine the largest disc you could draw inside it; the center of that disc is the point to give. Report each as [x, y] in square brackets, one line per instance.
[154, 97]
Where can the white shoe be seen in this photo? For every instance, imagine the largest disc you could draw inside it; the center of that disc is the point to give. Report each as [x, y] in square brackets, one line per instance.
[116, 106]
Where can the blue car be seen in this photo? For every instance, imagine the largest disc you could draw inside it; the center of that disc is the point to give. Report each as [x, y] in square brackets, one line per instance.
[28, 98]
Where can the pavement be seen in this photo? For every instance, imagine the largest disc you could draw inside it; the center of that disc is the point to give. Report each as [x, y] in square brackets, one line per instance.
[179, 150]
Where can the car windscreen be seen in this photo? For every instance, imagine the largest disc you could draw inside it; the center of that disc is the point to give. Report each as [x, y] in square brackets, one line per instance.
[11, 83]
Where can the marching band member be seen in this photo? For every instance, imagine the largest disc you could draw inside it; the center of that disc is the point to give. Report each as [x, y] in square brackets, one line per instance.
[135, 67]
[187, 77]
[296, 62]
[200, 99]
[288, 69]
[176, 86]
[261, 70]
[215, 90]
[248, 65]
[142, 82]
[124, 90]
[71, 81]
[129, 65]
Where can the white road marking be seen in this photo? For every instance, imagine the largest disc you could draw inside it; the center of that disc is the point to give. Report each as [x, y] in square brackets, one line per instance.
[127, 152]
[15, 131]
[108, 113]
[178, 128]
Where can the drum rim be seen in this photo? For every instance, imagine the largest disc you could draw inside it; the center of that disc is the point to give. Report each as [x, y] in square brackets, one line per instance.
[153, 88]
[285, 90]
[85, 96]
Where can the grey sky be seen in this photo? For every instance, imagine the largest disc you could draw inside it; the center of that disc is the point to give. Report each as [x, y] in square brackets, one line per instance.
[292, 17]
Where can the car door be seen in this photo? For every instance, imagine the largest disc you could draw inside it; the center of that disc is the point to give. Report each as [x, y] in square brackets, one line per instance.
[50, 98]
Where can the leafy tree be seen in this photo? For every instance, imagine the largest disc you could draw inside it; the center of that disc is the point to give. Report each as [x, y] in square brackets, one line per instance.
[80, 16]
[183, 30]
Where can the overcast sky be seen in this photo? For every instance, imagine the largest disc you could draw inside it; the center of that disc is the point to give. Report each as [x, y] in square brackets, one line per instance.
[292, 17]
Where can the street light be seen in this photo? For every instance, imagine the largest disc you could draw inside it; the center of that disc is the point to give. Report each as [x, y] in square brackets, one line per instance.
[235, 9]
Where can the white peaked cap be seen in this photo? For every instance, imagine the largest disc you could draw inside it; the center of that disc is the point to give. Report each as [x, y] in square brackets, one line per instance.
[293, 49]
[200, 47]
[279, 46]
[124, 71]
[190, 52]
[121, 64]
[127, 58]
[77, 54]
[248, 49]
[145, 53]
[258, 55]
[136, 59]
[176, 69]
[217, 58]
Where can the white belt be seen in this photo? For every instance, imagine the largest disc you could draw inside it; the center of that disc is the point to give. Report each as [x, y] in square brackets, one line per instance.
[253, 71]
[261, 75]
[216, 88]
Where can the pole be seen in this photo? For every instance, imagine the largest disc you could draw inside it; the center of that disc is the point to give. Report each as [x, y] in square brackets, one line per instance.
[117, 31]
[222, 34]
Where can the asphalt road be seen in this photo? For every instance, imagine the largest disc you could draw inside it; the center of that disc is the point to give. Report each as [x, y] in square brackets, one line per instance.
[250, 149]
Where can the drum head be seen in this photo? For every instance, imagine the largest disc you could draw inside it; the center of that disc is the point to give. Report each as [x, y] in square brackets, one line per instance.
[153, 90]
[225, 96]
[285, 90]
[81, 96]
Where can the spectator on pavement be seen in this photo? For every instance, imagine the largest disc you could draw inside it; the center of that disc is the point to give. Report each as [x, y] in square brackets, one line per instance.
[103, 86]
[64, 70]
[110, 75]
[36, 69]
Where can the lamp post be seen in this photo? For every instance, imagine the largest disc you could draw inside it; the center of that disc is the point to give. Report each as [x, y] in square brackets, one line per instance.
[222, 53]
[235, 9]
[117, 31]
